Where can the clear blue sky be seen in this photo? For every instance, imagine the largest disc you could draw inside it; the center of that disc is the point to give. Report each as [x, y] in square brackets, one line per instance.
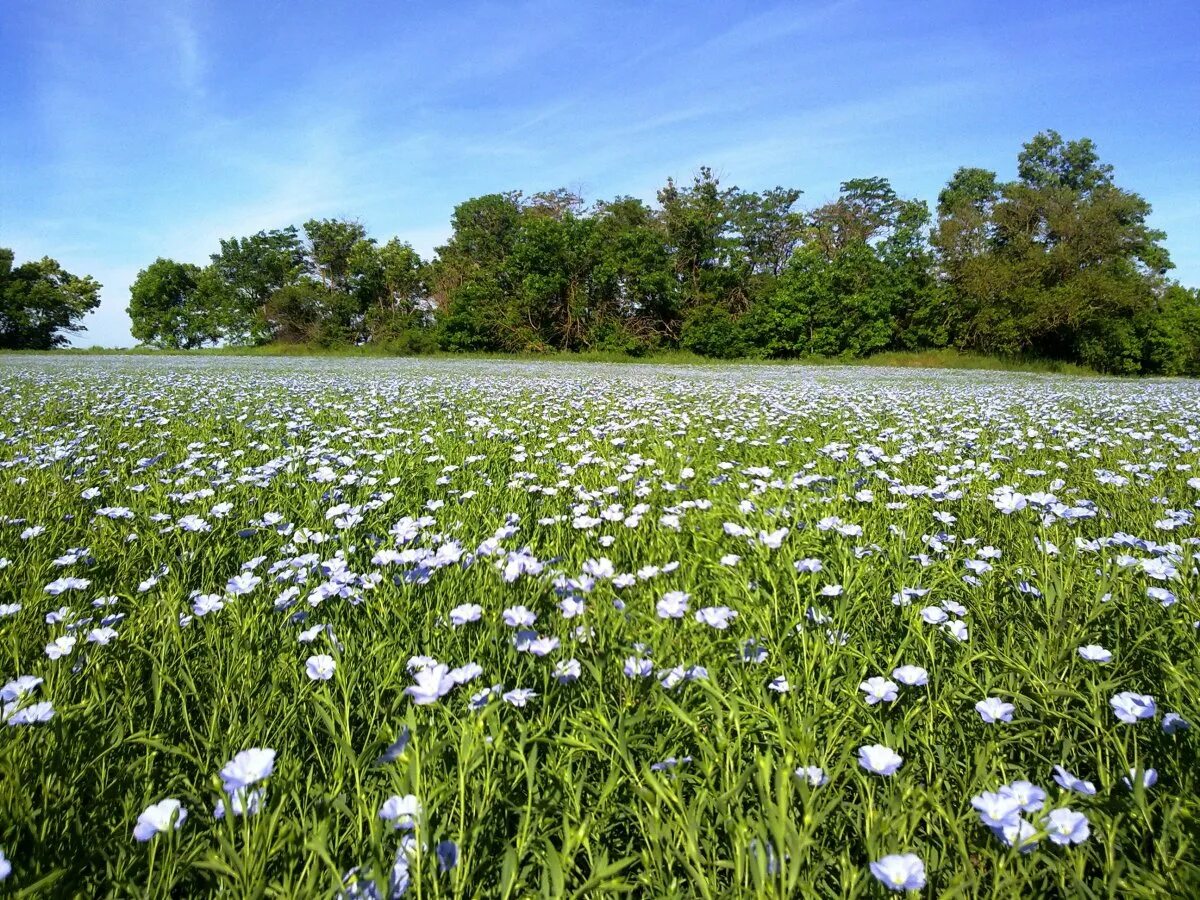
[137, 129]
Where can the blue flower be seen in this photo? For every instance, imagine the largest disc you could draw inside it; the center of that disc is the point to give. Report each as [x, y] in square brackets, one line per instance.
[900, 872]
[1129, 707]
[1065, 826]
[879, 760]
[993, 709]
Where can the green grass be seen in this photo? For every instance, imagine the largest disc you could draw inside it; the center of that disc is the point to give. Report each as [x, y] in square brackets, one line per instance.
[559, 798]
[917, 359]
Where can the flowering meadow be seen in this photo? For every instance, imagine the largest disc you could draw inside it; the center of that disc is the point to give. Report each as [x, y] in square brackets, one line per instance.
[373, 628]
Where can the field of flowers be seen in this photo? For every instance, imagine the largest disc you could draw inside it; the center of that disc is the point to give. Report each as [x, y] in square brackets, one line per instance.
[296, 628]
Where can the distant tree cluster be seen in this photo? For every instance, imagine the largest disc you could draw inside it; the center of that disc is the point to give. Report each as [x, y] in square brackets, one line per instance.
[1059, 264]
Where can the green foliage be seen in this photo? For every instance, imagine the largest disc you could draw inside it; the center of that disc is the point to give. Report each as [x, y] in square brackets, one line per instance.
[713, 331]
[563, 797]
[171, 305]
[1058, 264]
[253, 269]
[332, 244]
[41, 303]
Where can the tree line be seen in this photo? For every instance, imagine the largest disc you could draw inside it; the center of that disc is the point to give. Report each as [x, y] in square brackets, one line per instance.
[1059, 263]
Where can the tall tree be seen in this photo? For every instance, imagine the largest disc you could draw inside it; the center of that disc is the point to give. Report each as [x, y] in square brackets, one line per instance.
[253, 268]
[163, 308]
[471, 284]
[769, 227]
[634, 291]
[866, 208]
[703, 247]
[41, 303]
[1060, 262]
[390, 284]
[331, 245]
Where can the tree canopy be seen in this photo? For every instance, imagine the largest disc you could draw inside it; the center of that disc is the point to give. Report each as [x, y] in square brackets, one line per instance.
[1059, 262]
[41, 303]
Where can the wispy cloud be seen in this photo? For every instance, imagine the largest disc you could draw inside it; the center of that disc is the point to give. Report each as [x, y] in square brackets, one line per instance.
[158, 127]
[187, 48]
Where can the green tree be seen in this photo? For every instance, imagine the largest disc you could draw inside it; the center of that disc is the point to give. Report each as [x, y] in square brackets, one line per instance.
[1060, 263]
[331, 246]
[862, 281]
[253, 268]
[167, 309]
[297, 314]
[470, 281]
[769, 228]
[713, 277]
[703, 245]
[41, 303]
[866, 209]
[634, 291]
[839, 306]
[390, 285]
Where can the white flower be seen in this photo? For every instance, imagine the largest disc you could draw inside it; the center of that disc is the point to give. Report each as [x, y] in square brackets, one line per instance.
[958, 629]
[320, 667]
[519, 696]
[30, 715]
[464, 674]
[900, 872]
[519, 617]
[19, 687]
[773, 539]
[878, 689]
[247, 768]
[543, 646]
[1065, 826]
[1162, 595]
[673, 605]
[158, 818]
[997, 810]
[1029, 796]
[879, 760]
[203, 604]
[241, 803]
[467, 612]
[568, 671]
[1173, 722]
[814, 775]
[431, 684]
[242, 583]
[404, 812]
[636, 667]
[993, 709]
[1070, 782]
[913, 676]
[61, 646]
[717, 617]
[1129, 707]
[61, 585]
[1148, 779]
[1095, 653]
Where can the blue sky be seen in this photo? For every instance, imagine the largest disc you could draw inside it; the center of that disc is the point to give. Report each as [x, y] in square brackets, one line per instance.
[141, 129]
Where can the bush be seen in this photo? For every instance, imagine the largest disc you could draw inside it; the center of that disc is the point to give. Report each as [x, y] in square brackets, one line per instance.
[713, 331]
